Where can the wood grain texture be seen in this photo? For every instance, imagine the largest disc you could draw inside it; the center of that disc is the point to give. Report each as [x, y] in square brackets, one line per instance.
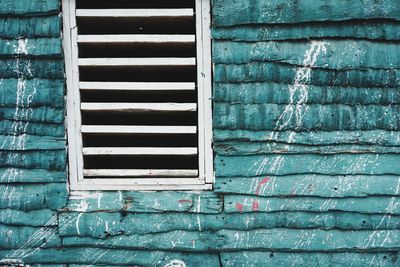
[371, 205]
[30, 27]
[339, 164]
[311, 185]
[236, 12]
[89, 255]
[148, 202]
[27, 197]
[255, 258]
[105, 224]
[285, 74]
[381, 29]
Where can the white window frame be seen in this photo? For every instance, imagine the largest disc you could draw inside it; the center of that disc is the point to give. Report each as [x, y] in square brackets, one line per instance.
[206, 178]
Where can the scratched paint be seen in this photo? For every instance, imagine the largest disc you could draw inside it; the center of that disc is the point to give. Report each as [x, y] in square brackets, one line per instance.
[306, 142]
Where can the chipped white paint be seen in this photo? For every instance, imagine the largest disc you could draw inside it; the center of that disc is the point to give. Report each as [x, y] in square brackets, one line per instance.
[300, 87]
[175, 263]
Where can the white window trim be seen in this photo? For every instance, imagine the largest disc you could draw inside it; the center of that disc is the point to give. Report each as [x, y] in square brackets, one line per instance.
[204, 83]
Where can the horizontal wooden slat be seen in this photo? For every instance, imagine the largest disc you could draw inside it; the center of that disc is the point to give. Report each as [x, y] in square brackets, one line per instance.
[139, 173]
[187, 151]
[137, 86]
[139, 129]
[137, 38]
[151, 61]
[136, 13]
[139, 107]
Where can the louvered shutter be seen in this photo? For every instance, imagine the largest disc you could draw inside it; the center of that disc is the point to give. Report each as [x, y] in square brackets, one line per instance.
[140, 95]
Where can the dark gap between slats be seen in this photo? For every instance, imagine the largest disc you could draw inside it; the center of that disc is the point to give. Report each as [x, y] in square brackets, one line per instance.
[143, 118]
[140, 140]
[84, 4]
[140, 162]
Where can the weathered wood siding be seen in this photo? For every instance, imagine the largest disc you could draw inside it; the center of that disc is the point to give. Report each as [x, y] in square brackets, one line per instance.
[306, 134]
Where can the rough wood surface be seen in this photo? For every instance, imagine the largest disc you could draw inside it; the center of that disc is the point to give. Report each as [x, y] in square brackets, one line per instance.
[28, 197]
[32, 93]
[302, 117]
[338, 164]
[256, 258]
[311, 185]
[127, 201]
[30, 27]
[275, 93]
[36, 218]
[33, 237]
[29, 7]
[373, 137]
[40, 47]
[105, 224]
[254, 148]
[361, 29]
[359, 54]
[286, 74]
[13, 175]
[371, 205]
[236, 12]
[90, 256]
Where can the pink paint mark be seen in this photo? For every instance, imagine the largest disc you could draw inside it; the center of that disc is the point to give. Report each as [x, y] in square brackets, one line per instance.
[239, 207]
[260, 184]
[255, 205]
[184, 201]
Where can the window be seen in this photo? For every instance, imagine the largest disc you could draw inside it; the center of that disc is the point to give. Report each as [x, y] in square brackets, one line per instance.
[138, 94]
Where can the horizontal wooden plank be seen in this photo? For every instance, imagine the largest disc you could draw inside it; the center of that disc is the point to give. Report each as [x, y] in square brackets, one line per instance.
[136, 38]
[27, 197]
[371, 205]
[141, 129]
[232, 12]
[374, 137]
[276, 93]
[36, 218]
[30, 27]
[29, 237]
[25, 93]
[29, 7]
[8, 127]
[34, 114]
[139, 173]
[329, 54]
[311, 185]
[148, 202]
[340, 164]
[257, 148]
[105, 224]
[136, 13]
[90, 255]
[32, 68]
[362, 29]
[284, 73]
[140, 107]
[139, 86]
[38, 47]
[306, 117]
[31, 142]
[148, 61]
[310, 240]
[268, 258]
[13, 175]
[267, 239]
[49, 160]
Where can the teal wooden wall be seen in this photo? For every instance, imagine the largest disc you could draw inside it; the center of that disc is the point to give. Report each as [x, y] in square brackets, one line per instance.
[307, 143]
